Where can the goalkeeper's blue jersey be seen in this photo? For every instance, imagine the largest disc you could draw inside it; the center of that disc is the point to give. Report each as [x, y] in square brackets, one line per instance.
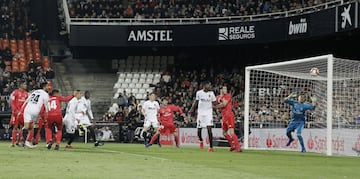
[298, 109]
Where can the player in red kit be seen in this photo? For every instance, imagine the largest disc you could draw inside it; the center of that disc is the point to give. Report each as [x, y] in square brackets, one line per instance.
[54, 119]
[228, 121]
[18, 98]
[166, 119]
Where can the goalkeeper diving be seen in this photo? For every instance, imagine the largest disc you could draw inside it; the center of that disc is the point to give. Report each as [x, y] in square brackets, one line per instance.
[298, 115]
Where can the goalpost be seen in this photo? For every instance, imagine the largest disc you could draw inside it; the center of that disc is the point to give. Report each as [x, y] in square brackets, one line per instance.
[331, 128]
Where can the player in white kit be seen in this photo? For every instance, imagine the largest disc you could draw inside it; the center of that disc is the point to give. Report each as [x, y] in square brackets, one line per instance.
[35, 103]
[71, 120]
[150, 110]
[204, 101]
[86, 117]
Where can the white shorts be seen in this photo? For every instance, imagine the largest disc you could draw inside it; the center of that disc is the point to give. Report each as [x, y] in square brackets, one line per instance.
[31, 116]
[70, 124]
[204, 121]
[154, 124]
[84, 119]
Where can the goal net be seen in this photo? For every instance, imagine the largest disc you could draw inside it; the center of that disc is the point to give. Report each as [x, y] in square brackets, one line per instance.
[333, 128]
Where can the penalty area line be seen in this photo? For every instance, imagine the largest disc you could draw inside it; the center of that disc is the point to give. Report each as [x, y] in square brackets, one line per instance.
[131, 154]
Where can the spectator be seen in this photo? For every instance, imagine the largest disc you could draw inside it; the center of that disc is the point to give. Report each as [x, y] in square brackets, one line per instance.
[4, 107]
[107, 134]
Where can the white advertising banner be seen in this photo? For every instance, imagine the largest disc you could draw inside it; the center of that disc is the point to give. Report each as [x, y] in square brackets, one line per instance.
[343, 142]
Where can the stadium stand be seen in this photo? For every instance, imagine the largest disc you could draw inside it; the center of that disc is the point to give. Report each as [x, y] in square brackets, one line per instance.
[180, 8]
[20, 54]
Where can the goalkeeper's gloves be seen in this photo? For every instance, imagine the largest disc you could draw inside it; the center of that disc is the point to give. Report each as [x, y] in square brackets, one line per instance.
[293, 95]
[313, 100]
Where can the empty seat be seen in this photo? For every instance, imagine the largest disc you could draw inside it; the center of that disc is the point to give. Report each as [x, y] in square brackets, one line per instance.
[124, 85]
[150, 60]
[151, 76]
[122, 75]
[149, 80]
[171, 60]
[139, 96]
[142, 75]
[138, 85]
[157, 60]
[120, 90]
[142, 90]
[136, 75]
[129, 75]
[135, 80]
[131, 85]
[143, 60]
[163, 60]
[116, 95]
[127, 80]
[117, 85]
[157, 76]
[121, 80]
[134, 91]
[142, 80]
[145, 86]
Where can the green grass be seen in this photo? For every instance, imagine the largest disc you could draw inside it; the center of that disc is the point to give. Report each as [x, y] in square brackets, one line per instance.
[133, 161]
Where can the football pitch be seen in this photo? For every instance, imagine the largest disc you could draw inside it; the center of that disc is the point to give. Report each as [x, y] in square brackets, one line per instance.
[134, 161]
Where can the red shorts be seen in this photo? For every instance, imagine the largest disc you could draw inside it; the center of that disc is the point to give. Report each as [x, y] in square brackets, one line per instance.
[13, 120]
[20, 119]
[170, 128]
[228, 122]
[54, 118]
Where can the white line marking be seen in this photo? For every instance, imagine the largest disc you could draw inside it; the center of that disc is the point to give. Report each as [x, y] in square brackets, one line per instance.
[136, 155]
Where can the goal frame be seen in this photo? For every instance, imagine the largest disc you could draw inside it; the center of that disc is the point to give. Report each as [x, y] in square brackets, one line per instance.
[329, 95]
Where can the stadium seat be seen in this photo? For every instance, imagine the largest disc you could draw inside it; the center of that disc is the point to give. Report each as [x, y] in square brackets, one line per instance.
[156, 60]
[134, 90]
[163, 60]
[139, 96]
[117, 85]
[145, 86]
[127, 80]
[138, 85]
[135, 80]
[122, 75]
[150, 60]
[142, 80]
[121, 80]
[171, 60]
[116, 95]
[129, 75]
[150, 76]
[136, 75]
[149, 80]
[142, 91]
[131, 85]
[143, 60]
[143, 75]
[124, 85]
[120, 90]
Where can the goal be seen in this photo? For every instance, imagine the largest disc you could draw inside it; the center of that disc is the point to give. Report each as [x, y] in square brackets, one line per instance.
[333, 128]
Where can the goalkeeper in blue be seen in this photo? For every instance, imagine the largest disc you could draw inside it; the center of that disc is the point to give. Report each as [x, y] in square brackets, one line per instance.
[298, 115]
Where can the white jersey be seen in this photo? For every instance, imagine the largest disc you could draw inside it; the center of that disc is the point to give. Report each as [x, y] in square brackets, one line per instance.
[72, 108]
[86, 107]
[36, 100]
[151, 110]
[205, 102]
[69, 120]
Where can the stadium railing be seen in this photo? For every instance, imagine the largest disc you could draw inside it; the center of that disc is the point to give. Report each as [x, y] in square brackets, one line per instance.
[209, 20]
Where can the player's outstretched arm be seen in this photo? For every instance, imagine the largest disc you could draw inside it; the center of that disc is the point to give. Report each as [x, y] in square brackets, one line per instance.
[291, 96]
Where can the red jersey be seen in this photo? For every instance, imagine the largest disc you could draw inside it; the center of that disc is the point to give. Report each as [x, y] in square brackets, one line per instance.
[18, 97]
[55, 104]
[166, 114]
[228, 108]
